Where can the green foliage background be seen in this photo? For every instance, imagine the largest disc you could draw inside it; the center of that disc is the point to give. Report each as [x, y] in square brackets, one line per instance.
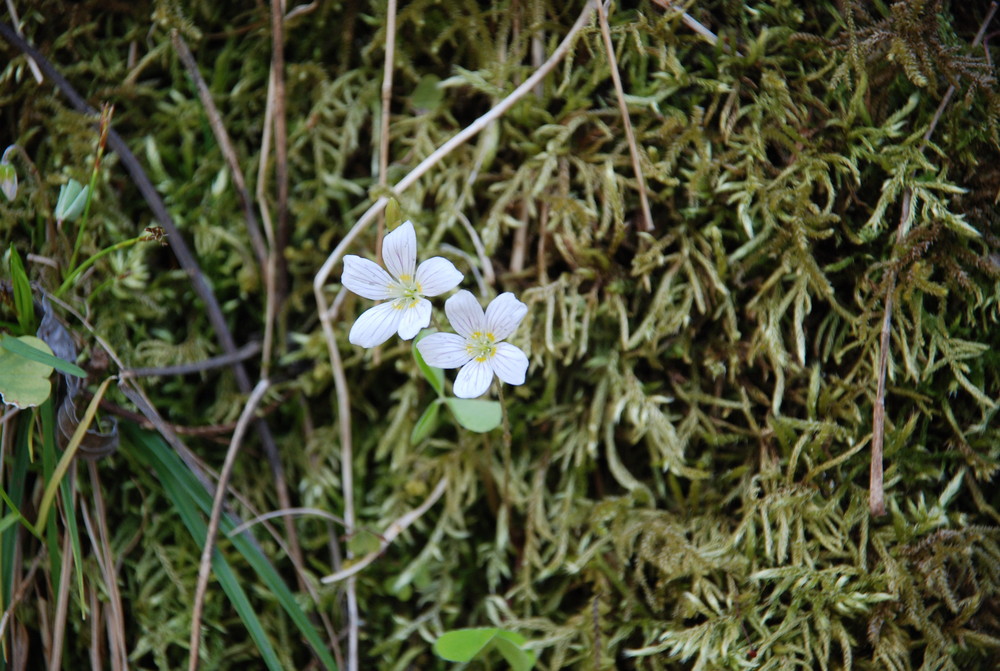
[687, 485]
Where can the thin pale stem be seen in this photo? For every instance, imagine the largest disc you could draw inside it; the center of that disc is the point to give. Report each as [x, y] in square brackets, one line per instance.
[280, 145]
[633, 148]
[383, 138]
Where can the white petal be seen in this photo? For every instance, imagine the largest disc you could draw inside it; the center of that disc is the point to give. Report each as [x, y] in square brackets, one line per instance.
[474, 379]
[415, 317]
[366, 278]
[437, 275]
[503, 314]
[444, 350]
[399, 251]
[465, 314]
[375, 325]
[509, 363]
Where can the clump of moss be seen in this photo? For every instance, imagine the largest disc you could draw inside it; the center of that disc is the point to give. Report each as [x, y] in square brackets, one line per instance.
[686, 485]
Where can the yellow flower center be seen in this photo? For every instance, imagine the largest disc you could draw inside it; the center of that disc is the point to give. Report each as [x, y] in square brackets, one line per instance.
[408, 292]
[481, 346]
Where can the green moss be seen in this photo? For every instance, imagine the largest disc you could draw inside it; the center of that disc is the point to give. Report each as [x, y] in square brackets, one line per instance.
[686, 486]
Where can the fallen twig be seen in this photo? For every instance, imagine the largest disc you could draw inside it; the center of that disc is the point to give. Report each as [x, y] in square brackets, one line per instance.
[389, 535]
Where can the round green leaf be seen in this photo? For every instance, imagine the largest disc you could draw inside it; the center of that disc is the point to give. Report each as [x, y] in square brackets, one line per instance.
[23, 382]
[476, 415]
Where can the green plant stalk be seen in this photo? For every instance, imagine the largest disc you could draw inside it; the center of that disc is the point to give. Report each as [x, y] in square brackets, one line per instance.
[17, 513]
[93, 259]
[105, 124]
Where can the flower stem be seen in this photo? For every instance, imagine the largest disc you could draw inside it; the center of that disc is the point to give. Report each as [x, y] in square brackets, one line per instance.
[93, 259]
[107, 111]
[507, 442]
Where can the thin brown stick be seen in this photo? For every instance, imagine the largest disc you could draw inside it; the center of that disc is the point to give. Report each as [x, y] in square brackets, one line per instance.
[117, 643]
[280, 146]
[633, 148]
[876, 483]
[243, 353]
[19, 592]
[62, 607]
[456, 141]
[270, 307]
[383, 137]
[225, 145]
[205, 567]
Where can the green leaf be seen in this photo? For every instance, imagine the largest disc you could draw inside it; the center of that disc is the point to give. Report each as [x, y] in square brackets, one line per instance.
[363, 542]
[24, 381]
[8, 179]
[462, 645]
[72, 198]
[24, 304]
[393, 214]
[427, 423]
[510, 644]
[434, 375]
[476, 415]
[19, 347]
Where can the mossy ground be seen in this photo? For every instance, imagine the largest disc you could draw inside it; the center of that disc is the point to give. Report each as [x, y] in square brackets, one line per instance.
[687, 480]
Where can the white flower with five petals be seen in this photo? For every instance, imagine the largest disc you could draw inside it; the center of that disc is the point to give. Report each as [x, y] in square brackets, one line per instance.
[405, 311]
[478, 347]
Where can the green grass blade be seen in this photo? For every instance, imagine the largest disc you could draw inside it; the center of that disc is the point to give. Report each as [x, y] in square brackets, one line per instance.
[47, 413]
[15, 346]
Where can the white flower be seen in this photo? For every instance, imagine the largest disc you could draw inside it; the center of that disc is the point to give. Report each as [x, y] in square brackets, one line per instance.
[403, 287]
[478, 346]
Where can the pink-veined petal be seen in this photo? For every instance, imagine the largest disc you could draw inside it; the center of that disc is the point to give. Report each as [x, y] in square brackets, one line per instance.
[437, 275]
[465, 314]
[375, 325]
[399, 252]
[503, 315]
[474, 379]
[509, 363]
[415, 317]
[366, 278]
[444, 350]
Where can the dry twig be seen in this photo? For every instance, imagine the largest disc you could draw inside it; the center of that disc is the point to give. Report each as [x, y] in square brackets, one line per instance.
[390, 534]
[633, 148]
